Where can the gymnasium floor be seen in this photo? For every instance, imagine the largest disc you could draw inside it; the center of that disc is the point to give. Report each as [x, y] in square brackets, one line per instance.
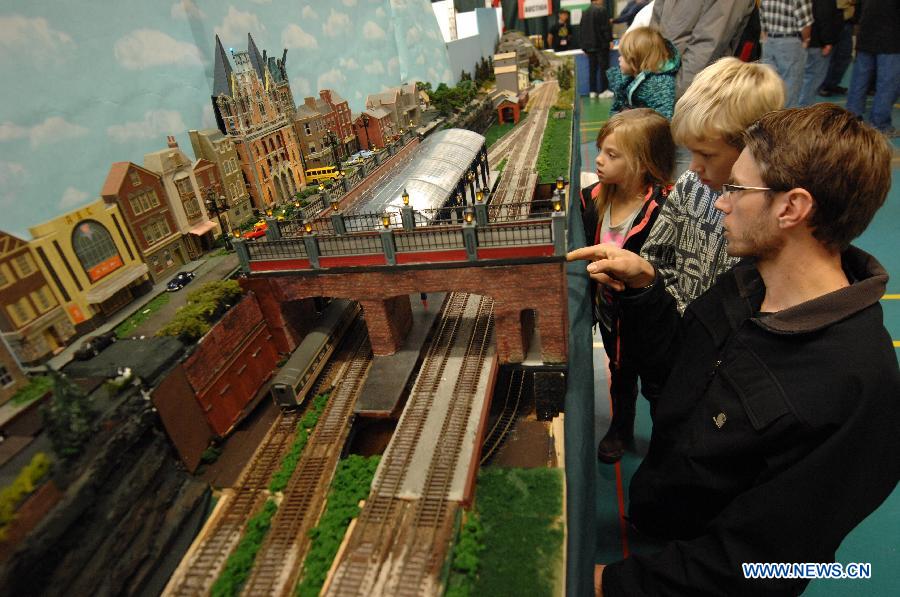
[876, 539]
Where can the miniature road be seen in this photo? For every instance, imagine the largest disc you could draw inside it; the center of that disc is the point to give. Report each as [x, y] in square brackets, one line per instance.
[216, 268]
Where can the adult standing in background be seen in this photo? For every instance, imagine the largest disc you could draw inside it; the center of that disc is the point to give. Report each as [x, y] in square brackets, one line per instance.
[702, 30]
[842, 53]
[559, 38]
[787, 25]
[826, 31]
[878, 57]
[596, 37]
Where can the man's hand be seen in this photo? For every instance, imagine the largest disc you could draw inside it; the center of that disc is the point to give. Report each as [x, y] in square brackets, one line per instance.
[598, 580]
[826, 50]
[615, 267]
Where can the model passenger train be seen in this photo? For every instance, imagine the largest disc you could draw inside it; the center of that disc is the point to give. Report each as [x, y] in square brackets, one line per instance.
[296, 378]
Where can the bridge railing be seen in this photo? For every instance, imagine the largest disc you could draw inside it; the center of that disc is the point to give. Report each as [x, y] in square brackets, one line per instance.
[287, 248]
[357, 244]
[428, 239]
[526, 233]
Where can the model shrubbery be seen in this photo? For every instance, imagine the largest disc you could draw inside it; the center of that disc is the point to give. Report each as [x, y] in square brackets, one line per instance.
[239, 564]
[351, 484]
[203, 307]
[304, 430]
[69, 418]
[25, 482]
[553, 159]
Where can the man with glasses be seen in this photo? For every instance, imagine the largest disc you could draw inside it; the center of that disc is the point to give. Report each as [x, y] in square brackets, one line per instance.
[776, 430]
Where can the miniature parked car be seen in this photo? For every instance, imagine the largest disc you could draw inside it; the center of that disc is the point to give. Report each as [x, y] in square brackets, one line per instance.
[180, 280]
[94, 346]
[259, 229]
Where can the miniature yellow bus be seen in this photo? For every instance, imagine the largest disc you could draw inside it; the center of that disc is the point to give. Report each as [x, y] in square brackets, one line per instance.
[320, 174]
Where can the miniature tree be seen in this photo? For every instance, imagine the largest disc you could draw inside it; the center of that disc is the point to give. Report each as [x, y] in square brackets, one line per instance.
[68, 418]
[564, 76]
[465, 76]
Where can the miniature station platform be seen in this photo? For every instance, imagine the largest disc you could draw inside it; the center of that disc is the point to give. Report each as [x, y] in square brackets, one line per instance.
[390, 374]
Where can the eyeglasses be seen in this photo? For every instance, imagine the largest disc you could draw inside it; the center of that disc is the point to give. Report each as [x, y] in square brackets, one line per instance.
[728, 189]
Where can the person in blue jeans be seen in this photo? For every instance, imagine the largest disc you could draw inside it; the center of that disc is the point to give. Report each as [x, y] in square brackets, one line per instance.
[878, 57]
[826, 31]
[788, 26]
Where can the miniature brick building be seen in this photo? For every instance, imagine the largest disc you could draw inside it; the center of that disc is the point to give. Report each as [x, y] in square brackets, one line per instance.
[212, 145]
[253, 104]
[144, 206]
[12, 377]
[31, 320]
[185, 199]
[311, 131]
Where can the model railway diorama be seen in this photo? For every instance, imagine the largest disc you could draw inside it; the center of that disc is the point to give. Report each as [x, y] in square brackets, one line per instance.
[372, 405]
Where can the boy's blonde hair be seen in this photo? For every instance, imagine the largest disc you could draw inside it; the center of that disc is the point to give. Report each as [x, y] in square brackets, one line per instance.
[645, 49]
[724, 99]
[645, 140]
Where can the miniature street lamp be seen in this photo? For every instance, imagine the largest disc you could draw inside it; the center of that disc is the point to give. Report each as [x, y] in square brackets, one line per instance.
[335, 204]
[479, 195]
[269, 212]
[557, 201]
[560, 183]
[236, 232]
[217, 205]
[386, 220]
[296, 204]
[405, 197]
[469, 215]
[307, 225]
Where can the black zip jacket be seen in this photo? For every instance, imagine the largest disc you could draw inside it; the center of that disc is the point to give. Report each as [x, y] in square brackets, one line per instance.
[828, 20]
[595, 30]
[774, 435]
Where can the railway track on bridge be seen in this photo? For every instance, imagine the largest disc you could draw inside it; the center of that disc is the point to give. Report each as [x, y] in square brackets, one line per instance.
[398, 545]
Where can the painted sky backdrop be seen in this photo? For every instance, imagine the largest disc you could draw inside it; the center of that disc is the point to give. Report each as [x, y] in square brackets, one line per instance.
[86, 84]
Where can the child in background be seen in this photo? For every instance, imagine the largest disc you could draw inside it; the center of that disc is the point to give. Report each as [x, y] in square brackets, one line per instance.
[645, 77]
[635, 164]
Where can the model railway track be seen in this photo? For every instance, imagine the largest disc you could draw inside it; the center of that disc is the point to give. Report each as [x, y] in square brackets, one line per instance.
[378, 530]
[513, 194]
[502, 426]
[277, 564]
[208, 559]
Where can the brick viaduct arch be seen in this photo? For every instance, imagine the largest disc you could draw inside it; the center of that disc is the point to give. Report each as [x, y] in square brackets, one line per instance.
[384, 296]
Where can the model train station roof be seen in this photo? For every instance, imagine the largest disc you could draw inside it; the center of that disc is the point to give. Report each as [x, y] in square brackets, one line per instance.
[430, 175]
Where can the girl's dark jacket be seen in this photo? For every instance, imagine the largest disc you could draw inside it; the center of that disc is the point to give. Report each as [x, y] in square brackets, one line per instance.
[773, 437]
[640, 229]
[646, 90]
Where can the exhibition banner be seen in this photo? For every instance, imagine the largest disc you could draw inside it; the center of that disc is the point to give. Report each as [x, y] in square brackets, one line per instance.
[529, 9]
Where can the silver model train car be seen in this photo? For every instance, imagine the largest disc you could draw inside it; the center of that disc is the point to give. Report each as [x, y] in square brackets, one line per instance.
[296, 378]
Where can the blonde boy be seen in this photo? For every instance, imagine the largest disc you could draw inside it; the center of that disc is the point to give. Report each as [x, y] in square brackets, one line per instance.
[686, 246]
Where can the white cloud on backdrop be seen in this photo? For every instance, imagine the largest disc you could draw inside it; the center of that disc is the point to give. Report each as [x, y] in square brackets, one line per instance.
[374, 68]
[54, 128]
[337, 23]
[185, 9]
[348, 63]
[294, 36]
[333, 79]
[371, 30]
[309, 12]
[349, 2]
[156, 123]
[147, 48]
[32, 39]
[12, 181]
[72, 197]
[236, 25]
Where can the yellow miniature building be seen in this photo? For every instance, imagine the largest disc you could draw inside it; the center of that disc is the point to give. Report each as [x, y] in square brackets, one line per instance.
[93, 261]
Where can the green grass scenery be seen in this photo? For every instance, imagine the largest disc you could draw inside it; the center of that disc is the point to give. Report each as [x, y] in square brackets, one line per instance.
[203, 307]
[37, 387]
[239, 564]
[496, 131]
[351, 483]
[501, 165]
[553, 158]
[125, 329]
[517, 540]
[304, 430]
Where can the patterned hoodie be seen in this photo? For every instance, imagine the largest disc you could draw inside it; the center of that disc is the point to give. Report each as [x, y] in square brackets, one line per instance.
[686, 246]
[646, 90]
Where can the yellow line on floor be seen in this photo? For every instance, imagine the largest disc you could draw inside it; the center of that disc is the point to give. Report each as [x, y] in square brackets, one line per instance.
[896, 343]
[891, 297]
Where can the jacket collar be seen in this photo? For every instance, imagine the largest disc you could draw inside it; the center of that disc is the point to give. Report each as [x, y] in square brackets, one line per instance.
[868, 280]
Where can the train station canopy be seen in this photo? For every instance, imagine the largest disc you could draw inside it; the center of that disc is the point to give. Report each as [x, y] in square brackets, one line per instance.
[429, 175]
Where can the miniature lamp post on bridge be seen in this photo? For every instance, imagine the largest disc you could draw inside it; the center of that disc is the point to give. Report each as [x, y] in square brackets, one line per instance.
[406, 212]
[558, 218]
[481, 211]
